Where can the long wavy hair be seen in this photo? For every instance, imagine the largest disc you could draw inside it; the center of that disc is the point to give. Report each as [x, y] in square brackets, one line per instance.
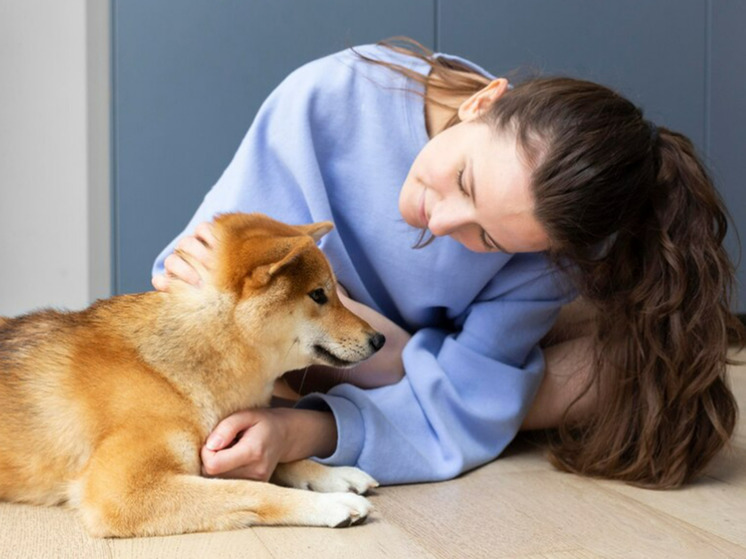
[636, 223]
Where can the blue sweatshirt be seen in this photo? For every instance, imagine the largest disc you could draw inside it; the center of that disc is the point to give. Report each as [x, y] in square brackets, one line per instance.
[335, 141]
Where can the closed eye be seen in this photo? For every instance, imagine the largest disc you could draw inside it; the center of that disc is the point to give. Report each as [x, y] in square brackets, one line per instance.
[486, 241]
[460, 180]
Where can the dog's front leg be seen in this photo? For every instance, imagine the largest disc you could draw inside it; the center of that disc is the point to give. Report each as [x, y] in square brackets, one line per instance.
[136, 487]
[181, 503]
[307, 474]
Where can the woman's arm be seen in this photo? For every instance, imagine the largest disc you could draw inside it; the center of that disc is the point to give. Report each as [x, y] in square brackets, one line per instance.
[566, 370]
[568, 357]
[466, 390]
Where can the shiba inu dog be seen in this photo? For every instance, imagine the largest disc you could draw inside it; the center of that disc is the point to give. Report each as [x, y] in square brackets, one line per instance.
[106, 409]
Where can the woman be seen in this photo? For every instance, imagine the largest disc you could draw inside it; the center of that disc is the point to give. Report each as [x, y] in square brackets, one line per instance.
[523, 189]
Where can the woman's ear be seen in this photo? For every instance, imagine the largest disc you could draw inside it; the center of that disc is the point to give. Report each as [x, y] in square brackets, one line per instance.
[482, 99]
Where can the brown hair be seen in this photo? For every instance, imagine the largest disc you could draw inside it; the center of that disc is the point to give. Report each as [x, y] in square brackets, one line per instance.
[637, 224]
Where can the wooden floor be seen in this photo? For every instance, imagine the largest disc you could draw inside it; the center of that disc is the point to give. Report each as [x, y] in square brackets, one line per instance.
[518, 506]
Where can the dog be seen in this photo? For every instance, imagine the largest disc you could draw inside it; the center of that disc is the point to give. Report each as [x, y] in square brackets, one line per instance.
[105, 410]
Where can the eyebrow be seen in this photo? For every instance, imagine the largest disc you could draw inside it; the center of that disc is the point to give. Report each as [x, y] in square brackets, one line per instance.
[473, 184]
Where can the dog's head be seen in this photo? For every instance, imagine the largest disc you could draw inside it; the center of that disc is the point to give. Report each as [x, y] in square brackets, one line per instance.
[286, 293]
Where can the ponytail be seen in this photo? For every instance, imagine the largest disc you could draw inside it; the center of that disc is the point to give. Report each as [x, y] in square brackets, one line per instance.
[663, 291]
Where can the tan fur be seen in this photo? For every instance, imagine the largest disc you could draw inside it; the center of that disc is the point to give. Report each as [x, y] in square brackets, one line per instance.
[106, 409]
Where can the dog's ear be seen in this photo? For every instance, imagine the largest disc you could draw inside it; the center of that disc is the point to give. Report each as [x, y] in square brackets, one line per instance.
[315, 230]
[297, 246]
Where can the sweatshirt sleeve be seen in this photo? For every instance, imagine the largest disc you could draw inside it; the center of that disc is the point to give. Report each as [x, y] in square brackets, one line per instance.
[465, 393]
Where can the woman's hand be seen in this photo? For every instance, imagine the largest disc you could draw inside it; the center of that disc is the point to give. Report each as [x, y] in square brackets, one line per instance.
[199, 248]
[249, 444]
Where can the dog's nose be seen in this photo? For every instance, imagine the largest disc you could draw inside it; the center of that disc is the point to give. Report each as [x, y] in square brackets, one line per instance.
[376, 341]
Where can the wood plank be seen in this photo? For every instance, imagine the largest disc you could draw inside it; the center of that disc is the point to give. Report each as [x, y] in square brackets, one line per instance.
[375, 539]
[234, 544]
[486, 515]
[29, 531]
[568, 554]
[708, 504]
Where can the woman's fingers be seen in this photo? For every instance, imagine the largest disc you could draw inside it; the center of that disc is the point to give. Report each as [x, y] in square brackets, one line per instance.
[228, 429]
[196, 249]
[178, 267]
[219, 462]
[250, 456]
[160, 282]
[204, 233]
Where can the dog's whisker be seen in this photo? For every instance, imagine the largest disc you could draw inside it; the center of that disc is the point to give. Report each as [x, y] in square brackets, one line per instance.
[303, 380]
[295, 342]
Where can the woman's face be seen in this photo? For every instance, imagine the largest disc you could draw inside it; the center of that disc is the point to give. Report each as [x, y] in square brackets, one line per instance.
[472, 185]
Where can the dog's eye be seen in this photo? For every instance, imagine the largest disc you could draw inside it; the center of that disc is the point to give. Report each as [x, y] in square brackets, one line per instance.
[318, 295]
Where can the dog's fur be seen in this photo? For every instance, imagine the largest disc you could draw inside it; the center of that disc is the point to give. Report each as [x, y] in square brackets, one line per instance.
[106, 409]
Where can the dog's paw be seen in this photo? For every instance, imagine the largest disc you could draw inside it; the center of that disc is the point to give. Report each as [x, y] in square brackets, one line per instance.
[341, 479]
[340, 510]
[306, 474]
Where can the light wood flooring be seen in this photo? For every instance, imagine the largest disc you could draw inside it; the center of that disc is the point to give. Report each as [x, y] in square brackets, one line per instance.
[517, 506]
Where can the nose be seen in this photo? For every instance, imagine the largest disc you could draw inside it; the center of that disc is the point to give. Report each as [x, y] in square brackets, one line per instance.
[447, 216]
[376, 341]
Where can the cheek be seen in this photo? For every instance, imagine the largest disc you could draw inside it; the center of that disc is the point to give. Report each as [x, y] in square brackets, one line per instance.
[416, 181]
[408, 196]
[416, 171]
[432, 169]
[429, 162]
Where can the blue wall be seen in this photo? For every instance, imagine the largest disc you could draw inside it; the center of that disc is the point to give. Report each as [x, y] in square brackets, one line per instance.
[190, 74]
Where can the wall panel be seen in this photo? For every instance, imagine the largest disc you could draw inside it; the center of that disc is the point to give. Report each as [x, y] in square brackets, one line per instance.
[727, 111]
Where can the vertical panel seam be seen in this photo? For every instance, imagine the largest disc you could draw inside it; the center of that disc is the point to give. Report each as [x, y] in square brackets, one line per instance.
[113, 192]
[436, 26]
[708, 79]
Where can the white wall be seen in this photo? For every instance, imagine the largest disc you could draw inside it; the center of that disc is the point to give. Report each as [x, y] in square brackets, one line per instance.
[54, 154]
